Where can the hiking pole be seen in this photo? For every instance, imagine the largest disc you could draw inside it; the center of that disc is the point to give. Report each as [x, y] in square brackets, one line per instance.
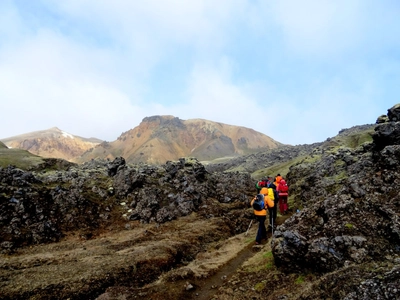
[272, 220]
[251, 222]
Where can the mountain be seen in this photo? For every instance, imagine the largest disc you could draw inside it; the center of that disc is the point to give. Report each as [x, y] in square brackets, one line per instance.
[52, 143]
[158, 139]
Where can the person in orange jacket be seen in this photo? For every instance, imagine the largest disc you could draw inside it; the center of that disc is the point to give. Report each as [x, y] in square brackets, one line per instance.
[261, 215]
[278, 178]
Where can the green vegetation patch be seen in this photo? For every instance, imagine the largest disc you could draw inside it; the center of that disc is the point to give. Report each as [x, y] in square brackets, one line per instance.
[283, 168]
[339, 177]
[300, 279]
[349, 226]
[259, 286]
[19, 158]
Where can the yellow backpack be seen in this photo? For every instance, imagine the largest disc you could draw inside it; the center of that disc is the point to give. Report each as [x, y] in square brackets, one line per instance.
[269, 191]
[270, 197]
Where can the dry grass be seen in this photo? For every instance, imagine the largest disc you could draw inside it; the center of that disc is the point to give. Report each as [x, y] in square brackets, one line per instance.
[134, 257]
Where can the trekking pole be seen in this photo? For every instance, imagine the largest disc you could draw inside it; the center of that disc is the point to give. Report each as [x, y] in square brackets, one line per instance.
[272, 220]
[251, 222]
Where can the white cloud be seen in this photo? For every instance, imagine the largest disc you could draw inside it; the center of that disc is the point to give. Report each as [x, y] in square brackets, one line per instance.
[51, 81]
[212, 95]
[92, 67]
[320, 27]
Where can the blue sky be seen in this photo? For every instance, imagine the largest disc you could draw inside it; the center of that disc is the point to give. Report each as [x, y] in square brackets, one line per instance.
[297, 71]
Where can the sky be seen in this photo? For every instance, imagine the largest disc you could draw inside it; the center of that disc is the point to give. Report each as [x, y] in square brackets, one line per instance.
[297, 71]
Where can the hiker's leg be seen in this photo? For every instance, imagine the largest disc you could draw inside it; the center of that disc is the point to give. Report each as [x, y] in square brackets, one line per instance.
[261, 228]
[270, 213]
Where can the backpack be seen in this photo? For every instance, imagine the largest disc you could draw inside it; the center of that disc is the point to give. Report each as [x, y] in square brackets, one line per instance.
[271, 191]
[283, 187]
[260, 184]
[267, 193]
[258, 203]
[276, 195]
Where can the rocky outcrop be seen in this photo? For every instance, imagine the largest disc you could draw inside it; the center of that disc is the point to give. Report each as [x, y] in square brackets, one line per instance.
[350, 204]
[43, 205]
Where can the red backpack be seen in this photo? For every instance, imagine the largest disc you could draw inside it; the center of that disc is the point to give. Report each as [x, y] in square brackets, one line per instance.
[283, 187]
[260, 184]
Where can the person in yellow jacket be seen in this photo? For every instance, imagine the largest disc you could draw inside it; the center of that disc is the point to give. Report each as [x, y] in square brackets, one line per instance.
[261, 215]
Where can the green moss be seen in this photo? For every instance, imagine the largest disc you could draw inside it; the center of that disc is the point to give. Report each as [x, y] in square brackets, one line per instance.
[259, 286]
[268, 254]
[339, 177]
[340, 163]
[300, 279]
[269, 265]
[281, 168]
[349, 226]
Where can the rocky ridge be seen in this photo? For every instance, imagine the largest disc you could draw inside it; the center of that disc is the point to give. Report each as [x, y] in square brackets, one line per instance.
[348, 226]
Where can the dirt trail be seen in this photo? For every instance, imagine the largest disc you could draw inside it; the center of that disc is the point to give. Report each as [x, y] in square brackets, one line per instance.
[210, 270]
[206, 288]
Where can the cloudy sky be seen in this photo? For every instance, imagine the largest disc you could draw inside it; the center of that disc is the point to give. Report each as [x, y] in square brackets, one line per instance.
[298, 71]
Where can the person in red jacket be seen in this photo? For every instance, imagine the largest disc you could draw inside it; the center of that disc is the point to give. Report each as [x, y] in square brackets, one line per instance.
[282, 189]
[261, 215]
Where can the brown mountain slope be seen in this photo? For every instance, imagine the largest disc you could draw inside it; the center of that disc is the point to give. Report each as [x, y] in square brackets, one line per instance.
[161, 138]
[52, 143]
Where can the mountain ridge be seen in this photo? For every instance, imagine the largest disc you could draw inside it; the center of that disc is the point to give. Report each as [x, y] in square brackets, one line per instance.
[155, 140]
[52, 143]
[158, 139]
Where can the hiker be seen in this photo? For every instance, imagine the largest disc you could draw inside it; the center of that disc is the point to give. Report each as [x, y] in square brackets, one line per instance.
[260, 184]
[261, 214]
[274, 210]
[282, 189]
[277, 179]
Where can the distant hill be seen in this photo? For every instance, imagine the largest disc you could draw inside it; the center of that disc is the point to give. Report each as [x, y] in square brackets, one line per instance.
[18, 157]
[158, 139]
[52, 143]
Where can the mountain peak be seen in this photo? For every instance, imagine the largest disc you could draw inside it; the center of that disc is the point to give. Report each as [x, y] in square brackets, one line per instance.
[158, 139]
